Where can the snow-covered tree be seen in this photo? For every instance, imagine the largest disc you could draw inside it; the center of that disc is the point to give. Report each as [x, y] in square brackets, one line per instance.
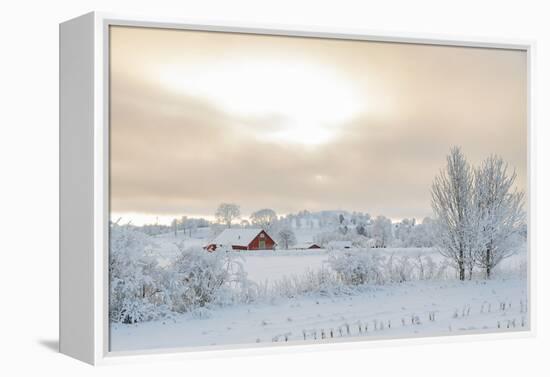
[479, 215]
[452, 194]
[403, 232]
[227, 212]
[422, 234]
[175, 224]
[499, 210]
[355, 267]
[264, 218]
[381, 231]
[361, 229]
[286, 237]
[215, 230]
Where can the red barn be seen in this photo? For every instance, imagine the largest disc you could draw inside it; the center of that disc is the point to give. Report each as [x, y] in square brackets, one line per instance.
[243, 239]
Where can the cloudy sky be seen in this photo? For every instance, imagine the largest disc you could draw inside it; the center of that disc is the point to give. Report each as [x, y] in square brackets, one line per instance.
[200, 118]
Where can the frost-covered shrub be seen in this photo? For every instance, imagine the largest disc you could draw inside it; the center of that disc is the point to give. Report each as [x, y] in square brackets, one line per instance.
[399, 269]
[323, 282]
[357, 267]
[135, 277]
[364, 266]
[425, 268]
[199, 278]
[245, 291]
[133, 310]
[141, 290]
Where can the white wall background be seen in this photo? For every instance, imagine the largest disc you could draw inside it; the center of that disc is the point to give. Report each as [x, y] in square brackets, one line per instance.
[29, 184]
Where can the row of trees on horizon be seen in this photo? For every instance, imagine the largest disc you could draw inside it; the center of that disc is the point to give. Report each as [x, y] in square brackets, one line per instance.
[332, 225]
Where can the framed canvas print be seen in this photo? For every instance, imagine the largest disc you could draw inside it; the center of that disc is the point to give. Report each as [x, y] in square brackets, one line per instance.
[227, 187]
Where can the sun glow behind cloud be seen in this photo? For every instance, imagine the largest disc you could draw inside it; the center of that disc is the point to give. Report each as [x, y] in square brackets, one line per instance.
[310, 100]
[290, 123]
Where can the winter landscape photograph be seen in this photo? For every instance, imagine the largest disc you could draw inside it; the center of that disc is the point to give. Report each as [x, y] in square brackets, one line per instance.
[269, 190]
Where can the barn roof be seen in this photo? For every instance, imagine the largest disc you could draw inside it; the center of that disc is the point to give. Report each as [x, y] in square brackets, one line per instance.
[236, 237]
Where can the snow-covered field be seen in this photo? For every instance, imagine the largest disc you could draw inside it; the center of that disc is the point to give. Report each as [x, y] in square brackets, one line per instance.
[269, 266]
[398, 310]
[416, 308]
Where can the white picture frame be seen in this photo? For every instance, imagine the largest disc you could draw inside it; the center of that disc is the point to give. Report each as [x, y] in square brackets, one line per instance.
[84, 185]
